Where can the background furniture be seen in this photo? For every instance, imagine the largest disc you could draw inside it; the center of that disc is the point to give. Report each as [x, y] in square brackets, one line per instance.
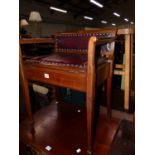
[126, 69]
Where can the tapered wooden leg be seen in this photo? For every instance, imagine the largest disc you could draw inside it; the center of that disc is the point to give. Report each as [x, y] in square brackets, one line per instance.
[90, 100]
[108, 92]
[89, 128]
[25, 88]
[108, 98]
[27, 100]
[90, 119]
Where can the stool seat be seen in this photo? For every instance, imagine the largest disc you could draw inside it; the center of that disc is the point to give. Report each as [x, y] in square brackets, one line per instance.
[60, 59]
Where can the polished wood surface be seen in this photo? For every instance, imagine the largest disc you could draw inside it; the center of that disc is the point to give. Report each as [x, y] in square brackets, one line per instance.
[36, 40]
[60, 77]
[63, 127]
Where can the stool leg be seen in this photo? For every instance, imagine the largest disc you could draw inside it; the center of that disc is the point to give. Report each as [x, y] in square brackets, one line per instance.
[90, 119]
[90, 101]
[108, 98]
[24, 84]
[108, 91]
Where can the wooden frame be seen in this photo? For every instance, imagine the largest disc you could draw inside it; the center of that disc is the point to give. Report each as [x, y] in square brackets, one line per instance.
[84, 80]
[126, 69]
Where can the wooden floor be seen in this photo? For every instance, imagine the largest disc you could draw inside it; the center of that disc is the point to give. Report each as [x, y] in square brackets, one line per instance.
[63, 127]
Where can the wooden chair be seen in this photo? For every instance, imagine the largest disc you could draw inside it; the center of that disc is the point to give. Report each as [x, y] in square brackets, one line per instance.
[81, 61]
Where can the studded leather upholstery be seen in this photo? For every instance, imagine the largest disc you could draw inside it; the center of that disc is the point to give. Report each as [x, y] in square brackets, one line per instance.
[77, 41]
[74, 43]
